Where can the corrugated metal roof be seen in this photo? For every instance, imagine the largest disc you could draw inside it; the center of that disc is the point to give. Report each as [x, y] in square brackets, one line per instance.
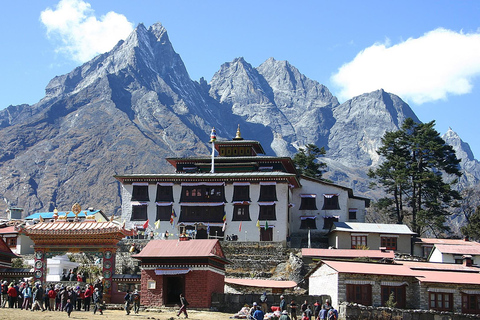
[347, 253]
[175, 248]
[49, 215]
[372, 228]
[438, 266]
[406, 270]
[6, 230]
[452, 249]
[446, 241]
[256, 174]
[261, 283]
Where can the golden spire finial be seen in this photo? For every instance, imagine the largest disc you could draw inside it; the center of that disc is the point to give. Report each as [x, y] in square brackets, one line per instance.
[239, 135]
[55, 213]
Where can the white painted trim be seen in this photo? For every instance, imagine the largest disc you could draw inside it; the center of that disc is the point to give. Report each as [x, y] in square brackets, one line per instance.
[360, 282]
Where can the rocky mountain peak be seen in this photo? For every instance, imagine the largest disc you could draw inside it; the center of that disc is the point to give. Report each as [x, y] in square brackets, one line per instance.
[462, 149]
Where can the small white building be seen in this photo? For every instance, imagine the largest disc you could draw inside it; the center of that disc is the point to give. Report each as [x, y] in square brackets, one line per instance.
[445, 253]
[57, 266]
[18, 243]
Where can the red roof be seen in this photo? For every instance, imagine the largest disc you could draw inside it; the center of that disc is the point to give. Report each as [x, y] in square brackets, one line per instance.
[466, 249]
[70, 228]
[407, 270]
[438, 266]
[7, 230]
[446, 241]
[261, 283]
[176, 248]
[370, 268]
[347, 253]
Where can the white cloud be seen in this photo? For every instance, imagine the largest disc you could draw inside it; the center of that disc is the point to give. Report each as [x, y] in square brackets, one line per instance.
[81, 35]
[440, 63]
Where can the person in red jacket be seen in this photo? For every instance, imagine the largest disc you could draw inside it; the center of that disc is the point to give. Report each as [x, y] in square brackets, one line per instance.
[12, 295]
[88, 298]
[52, 294]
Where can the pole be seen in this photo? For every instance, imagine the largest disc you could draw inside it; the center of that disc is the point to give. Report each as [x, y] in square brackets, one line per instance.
[212, 170]
[309, 243]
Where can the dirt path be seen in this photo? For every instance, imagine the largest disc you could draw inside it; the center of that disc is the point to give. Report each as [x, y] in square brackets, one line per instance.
[17, 314]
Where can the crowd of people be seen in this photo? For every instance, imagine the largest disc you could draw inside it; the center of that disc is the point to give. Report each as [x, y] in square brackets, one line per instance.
[55, 297]
[290, 311]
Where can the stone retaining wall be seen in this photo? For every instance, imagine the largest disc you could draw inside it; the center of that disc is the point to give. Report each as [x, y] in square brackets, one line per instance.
[353, 311]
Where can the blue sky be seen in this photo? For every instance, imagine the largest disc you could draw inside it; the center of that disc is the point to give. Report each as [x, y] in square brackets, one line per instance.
[426, 52]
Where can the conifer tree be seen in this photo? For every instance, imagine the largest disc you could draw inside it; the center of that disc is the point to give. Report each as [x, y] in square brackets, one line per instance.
[306, 161]
[417, 163]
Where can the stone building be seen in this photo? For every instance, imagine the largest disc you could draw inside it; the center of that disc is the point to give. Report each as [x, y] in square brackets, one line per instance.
[415, 285]
[195, 268]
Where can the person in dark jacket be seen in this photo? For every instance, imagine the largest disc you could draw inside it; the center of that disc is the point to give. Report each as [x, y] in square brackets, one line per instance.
[97, 299]
[38, 297]
[68, 307]
[184, 304]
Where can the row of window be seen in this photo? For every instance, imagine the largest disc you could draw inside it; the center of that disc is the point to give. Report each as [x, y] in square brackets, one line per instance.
[440, 301]
[390, 243]
[204, 213]
[217, 194]
[203, 193]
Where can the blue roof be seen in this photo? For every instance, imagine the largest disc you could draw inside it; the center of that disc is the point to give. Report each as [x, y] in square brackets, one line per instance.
[49, 215]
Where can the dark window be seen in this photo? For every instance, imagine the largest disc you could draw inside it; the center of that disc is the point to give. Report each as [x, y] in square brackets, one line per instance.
[241, 193]
[330, 202]
[328, 222]
[389, 243]
[164, 193]
[398, 295]
[308, 203]
[308, 224]
[441, 301]
[352, 214]
[268, 193]
[266, 235]
[241, 213]
[470, 303]
[11, 241]
[203, 194]
[359, 293]
[201, 214]
[140, 193]
[163, 213]
[267, 213]
[359, 242]
[139, 213]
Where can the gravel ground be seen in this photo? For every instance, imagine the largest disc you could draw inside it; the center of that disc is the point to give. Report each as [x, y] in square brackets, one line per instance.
[17, 314]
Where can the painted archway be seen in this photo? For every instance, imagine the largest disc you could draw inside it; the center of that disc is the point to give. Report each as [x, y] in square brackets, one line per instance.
[60, 236]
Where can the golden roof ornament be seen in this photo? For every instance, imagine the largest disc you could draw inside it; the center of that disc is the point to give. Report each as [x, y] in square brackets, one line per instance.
[76, 209]
[55, 213]
[238, 136]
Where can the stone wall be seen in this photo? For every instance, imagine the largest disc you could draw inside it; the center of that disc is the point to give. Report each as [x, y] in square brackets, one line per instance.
[232, 303]
[353, 311]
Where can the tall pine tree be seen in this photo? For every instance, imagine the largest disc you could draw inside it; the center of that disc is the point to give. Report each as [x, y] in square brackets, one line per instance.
[417, 161]
[306, 161]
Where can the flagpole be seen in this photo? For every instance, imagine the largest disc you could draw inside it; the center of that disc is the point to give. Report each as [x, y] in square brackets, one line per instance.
[213, 137]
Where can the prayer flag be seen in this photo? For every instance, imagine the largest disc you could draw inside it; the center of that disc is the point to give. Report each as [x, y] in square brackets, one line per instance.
[258, 224]
[266, 225]
[224, 226]
[208, 228]
[240, 227]
[171, 217]
[157, 224]
[213, 135]
[224, 216]
[145, 225]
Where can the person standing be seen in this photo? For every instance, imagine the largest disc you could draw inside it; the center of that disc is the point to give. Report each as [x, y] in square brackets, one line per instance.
[293, 310]
[38, 297]
[52, 294]
[128, 302]
[283, 304]
[88, 298]
[332, 314]
[27, 297]
[97, 299]
[12, 295]
[322, 315]
[184, 304]
[263, 301]
[136, 301]
[4, 293]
